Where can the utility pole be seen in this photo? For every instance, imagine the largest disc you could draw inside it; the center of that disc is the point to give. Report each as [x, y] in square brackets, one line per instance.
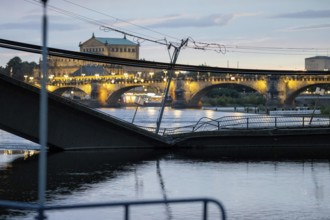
[43, 120]
[170, 75]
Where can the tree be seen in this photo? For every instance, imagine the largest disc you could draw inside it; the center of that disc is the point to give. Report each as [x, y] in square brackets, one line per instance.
[17, 69]
[13, 66]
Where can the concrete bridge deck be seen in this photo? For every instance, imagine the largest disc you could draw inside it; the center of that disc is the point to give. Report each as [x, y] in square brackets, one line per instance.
[71, 126]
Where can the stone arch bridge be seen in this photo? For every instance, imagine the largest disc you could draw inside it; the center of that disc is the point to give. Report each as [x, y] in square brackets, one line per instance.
[279, 90]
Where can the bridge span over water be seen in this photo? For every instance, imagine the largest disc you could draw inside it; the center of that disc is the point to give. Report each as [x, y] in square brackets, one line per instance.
[187, 91]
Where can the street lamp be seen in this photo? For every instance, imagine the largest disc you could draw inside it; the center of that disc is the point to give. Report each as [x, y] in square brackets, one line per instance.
[165, 72]
[25, 78]
[151, 74]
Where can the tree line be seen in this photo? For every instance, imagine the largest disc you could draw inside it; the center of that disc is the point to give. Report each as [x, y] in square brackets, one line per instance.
[17, 68]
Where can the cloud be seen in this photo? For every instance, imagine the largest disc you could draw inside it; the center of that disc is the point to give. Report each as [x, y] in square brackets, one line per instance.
[34, 25]
[185, 20]
[309, 27]
[305, 14]
[20, 26]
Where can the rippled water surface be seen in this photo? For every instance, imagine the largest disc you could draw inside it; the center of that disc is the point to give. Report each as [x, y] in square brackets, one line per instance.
[247, 189]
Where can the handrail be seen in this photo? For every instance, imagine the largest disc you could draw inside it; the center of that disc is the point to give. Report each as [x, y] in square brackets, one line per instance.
[245, 123]
[125, 204]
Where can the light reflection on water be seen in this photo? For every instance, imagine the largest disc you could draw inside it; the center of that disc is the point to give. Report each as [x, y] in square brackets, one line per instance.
[248, 189]
[147, 116]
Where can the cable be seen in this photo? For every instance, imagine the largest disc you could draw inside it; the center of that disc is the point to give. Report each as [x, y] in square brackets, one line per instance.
[80, 17]
[118, 19]
[136, 36]
[192, 44]
[149, 64]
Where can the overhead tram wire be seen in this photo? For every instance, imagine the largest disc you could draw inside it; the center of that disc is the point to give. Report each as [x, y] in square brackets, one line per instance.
[82, 17]
[121, 20]
[149, 64]
[219, 48]
[196, 45]
[192, 44]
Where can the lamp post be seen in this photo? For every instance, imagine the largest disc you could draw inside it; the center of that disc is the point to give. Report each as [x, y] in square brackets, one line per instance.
[177, 73]
[151, 74]
[125, 75]
[319, 92]
[139, 74]
[165, 72]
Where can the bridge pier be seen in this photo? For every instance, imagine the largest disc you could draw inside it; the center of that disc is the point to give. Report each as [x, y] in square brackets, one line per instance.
[179, 95]
[276, 92]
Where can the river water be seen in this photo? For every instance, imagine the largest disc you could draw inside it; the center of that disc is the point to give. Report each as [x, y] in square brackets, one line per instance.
[247, 189]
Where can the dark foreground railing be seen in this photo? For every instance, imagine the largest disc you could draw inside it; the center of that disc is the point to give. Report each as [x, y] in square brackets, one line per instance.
[126, 205]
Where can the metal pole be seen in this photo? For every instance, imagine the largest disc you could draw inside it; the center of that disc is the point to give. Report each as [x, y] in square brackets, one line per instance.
[43, 119]
[137, 106]
[316, 102]
[171, 72]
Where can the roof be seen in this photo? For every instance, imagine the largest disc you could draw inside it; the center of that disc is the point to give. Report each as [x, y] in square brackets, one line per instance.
[90, 70]
[318, 57]
[115, 41]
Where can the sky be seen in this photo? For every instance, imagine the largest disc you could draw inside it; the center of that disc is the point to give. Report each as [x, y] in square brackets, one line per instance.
[254, 34]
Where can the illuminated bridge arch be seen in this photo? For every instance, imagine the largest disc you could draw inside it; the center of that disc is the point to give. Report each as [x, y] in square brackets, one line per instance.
[116, 95]
[291, 96]
[195, 100]
[62, 90]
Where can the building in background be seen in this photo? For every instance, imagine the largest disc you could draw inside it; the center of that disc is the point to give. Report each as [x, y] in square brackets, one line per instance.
[114, 47]
[317, 63]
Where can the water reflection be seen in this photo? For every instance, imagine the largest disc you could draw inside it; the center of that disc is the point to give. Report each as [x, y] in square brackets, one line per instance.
[67, 172]
[248, 189]
[162, 185]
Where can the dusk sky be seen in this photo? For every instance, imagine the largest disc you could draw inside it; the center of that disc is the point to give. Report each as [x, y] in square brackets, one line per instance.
[257, 34]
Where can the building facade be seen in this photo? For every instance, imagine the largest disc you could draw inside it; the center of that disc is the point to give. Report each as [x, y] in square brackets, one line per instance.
[317, 63]
[114, 47]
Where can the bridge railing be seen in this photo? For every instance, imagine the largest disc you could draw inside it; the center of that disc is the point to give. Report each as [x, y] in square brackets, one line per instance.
[126, 205]
[251, 122]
